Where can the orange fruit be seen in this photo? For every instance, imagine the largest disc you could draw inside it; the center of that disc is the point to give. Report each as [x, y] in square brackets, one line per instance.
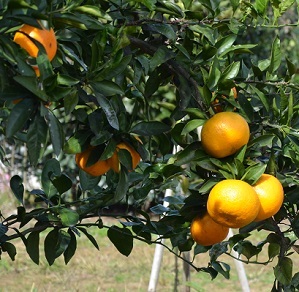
[44, 36]
[216, 105]
[205, 231]
[271, 195]
[96, 169]
[113, 161]
[233, 203]
[16, 101]
[36, 69]
[224, 134]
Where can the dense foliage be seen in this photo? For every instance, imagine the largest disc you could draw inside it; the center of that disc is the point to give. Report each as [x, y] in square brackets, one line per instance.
[149, 68]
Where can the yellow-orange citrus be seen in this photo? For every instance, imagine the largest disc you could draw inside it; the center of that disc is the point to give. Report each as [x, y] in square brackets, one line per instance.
[224, 134]
[205, 231]
[271, 195]
[233, 203]
[96, 169]
[113, 161]
[44, 36]
[217, 107]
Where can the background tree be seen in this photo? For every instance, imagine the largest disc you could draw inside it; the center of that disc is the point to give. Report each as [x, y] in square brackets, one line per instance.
[155, 70]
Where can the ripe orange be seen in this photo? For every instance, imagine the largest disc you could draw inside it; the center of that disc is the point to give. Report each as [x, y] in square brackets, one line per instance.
[97, 169]
[46, 37]
[113, 161]
[233, 203]
[271, 195]
[224, 134]
[205, 231]
[216, 105]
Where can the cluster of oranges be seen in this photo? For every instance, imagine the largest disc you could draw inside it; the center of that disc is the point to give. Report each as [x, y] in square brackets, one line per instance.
[233, 203]
[30, 38]
[100, 167]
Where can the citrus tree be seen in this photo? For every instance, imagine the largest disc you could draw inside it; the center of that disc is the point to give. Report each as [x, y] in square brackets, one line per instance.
[99, 93]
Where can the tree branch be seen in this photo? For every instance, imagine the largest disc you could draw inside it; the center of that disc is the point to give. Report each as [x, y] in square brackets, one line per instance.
[173, 66]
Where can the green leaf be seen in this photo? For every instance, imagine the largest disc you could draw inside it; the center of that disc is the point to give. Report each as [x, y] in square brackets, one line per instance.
[162, 55]
[253, 173]
[68, 217]
[50, 245]
[261, 97]
[225, 43]
[88, 182]
[164, 29]
[150, 128]
[90, 237]
[16, 185]
[76, 142]
[275, 60]
[238, 49]
[3, 229]
[192, 125]
[36, 139]
[71, 249]
[55, 244]
[62, 183]
[51, 168]
[116, 68]
[159, 209]
[32, 85]
[150, 4]
[273, 250]
[70, 102]
[291, 67]
[32, 246]
[284, 271]
[205, 31]
[56, 133]
[122, 186]
[191, 152]
[121, 238]
[108, 110]
[94, 11]
[19, 115]
[261, 6]
[214, 74]
[106, 88]
[10, 249]
[230, 72]
[221, 268]
[262, 141]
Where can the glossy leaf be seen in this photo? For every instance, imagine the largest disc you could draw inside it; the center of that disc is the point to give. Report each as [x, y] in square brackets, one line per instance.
[108, 110]
[51, 168]
[275, 60]
[32, 246]
[17, 187]
[36, 139]
[150, 128]
[121, 238]
[55, 244]
[106, 88]
[62, 183]
[90, 237]
[71, 249]
[56, 133]
[10, 249]
[284, 270]
[19, 116]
